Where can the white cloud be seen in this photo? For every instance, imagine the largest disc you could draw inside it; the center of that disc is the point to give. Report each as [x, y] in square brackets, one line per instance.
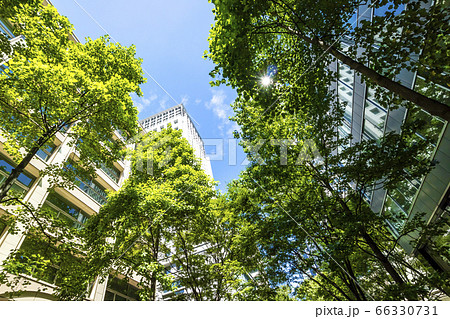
[142, 102]
[222, 110]
[217, 104]
[184, 100]
[163, 103]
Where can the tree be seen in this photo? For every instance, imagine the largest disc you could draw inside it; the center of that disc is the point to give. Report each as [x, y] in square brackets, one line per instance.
[254, 34]
[225, 266]
[8, 9]
[313, 222]
[168, 226]
[158, 218]
[325, 195]
[160, 210]
[53, 83]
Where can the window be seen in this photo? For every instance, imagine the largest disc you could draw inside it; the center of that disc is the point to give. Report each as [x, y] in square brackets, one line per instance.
[112, 172]
[439, 91]
[373, 121]
[66, 211]
[46, 152]
[346, 74]
[344, 132]
[90, 187]
[374, 110]
[175, 121]
[24, 181]
[396, 216]
[431, 130]
[120, 290]
[374, 117]
[5, 29]
[345, 95]
[33, 248]
[345, 89]
[94, 190]
[2, 227]
[404, 194]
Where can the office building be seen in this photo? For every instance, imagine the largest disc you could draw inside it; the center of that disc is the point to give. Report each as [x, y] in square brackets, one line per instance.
[76, 205]
[179, 119]
[365, 118]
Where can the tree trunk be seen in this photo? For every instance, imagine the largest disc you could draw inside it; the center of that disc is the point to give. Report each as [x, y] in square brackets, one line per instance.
[356, 289]
[430, 105]
[155, 257]
[383, 259]
[367, 238]
[316, 270]
[6, 186]
[153, 287]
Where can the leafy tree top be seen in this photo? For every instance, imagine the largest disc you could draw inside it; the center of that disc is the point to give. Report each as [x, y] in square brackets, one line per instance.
[53, 82]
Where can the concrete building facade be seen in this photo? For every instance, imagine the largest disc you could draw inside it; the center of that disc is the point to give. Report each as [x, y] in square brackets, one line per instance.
[77, 205]
[179, 119]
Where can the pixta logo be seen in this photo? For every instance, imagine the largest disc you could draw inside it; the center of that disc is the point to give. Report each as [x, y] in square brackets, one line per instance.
[299, 152]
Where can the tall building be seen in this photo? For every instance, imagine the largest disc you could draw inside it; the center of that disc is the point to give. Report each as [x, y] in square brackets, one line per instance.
[365, 118]
[178, 117]
[74, 206]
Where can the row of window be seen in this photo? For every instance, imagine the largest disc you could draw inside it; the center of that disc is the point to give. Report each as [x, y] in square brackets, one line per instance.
[24, 181]
[157, 119]
[46, 152]
[34, 247]
[399, 201]
[66, 211]
[112, 172]
[94, 190]
[120, 290]
[147, 126]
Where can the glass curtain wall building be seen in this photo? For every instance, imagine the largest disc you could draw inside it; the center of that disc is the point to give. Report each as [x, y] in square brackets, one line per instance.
[365, 118]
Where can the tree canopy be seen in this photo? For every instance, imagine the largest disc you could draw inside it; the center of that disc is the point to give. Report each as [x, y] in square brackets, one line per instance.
[53, 83]
[248, 36]
[297, 224]
[8, 9]
[308, 186]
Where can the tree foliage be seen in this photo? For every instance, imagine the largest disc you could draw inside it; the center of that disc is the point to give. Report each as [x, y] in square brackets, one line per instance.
[8, 9]
[166, 226]
[53, 83]
[307, 184]
[250, 35]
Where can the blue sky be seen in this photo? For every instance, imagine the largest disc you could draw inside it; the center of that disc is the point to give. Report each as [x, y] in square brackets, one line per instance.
[171, 37]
